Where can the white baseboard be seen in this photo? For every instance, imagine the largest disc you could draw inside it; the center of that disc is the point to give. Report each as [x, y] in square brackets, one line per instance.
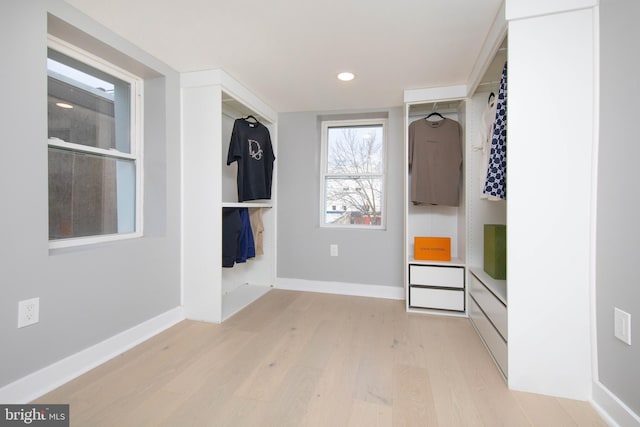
[340, 288]
[47, 379]
[612, 409]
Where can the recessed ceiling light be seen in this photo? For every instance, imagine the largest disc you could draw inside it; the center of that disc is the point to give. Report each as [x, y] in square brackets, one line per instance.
[346, 76]
[64, 105]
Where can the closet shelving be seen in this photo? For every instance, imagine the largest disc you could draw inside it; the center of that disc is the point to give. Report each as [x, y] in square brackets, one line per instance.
[233, 109]
[436, 287]
[487, 299]
[211, 101]
[248, 281]
[459, 287]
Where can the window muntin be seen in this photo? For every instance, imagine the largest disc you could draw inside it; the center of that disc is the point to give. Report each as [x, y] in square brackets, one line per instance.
[94, 149]
[353, 173]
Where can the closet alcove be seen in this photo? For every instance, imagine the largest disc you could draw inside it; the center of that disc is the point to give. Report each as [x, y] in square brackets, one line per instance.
[487, 296]
[459, 287]
[436, 287]
[211, 102]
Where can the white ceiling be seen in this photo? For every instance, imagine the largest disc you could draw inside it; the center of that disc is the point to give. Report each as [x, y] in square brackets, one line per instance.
[288, 52]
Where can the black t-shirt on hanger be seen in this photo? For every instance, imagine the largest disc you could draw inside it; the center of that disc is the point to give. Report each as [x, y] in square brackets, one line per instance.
[250, 146]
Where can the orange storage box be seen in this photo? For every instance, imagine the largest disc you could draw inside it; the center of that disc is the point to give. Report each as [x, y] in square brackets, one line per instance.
[432, 248]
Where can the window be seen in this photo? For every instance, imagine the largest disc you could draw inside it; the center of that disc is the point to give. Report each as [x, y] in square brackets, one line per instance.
[353, 173]
[94, 148]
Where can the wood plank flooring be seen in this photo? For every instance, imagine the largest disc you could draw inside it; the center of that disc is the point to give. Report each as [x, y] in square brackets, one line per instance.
[308, 359]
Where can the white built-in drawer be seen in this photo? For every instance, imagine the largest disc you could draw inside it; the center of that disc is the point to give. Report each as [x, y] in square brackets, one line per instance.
[490, 304]
[443, 299]
[429, 275]
[494, 342]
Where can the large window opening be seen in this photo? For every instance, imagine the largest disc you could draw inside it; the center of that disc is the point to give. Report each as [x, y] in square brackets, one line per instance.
[353, 173]
[94, 147]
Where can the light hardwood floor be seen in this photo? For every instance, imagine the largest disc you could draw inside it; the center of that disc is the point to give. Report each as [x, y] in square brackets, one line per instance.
[307, 359]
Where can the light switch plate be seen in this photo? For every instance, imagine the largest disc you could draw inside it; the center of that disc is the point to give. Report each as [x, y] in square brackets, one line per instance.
[622, 325]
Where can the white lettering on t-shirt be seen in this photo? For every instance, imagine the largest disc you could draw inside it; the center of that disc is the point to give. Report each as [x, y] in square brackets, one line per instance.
[254, 149]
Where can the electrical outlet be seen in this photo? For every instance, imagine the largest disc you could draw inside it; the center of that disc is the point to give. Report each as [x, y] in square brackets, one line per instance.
[334, 250]
[622, 325]
[28, 312]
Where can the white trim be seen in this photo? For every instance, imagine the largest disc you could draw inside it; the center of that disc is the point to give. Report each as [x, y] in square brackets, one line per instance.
[445, 93]
[136, 138]
[341, 288]
[325, 125]
[252, 204]
[495, 37]
[231, 87]
[46, 379]
[611, 408]
[524, 9]
[91, 240]
[92, 60]
[181, 195]
[593, 255]
[111, 154]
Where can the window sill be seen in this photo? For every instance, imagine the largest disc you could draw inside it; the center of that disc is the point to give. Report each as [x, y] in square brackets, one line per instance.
[78, 242]
[355, 227]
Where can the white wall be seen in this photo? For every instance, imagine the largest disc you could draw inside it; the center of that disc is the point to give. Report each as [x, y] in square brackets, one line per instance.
[550, 206]
[517, 9]
[92, 293]
[201, 196]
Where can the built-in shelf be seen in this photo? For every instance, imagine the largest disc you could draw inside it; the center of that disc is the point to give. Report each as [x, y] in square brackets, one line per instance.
[455, 262]
[211, 100]
[496, 287]
[247, 205]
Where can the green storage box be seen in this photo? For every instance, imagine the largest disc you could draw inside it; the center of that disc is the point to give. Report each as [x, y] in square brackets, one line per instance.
[495, 251]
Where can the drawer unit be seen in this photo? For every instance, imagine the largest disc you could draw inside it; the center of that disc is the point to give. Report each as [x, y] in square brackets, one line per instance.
[492, 307]
[435, 298]
[436, 287]
[495, 343]
[434, 275]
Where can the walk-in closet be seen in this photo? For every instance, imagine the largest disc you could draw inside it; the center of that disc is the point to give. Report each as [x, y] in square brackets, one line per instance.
[445, 240]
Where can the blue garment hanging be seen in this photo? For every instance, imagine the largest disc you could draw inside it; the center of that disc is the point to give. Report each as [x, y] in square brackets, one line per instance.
[237, 237]
[246, 246]
[496, 183]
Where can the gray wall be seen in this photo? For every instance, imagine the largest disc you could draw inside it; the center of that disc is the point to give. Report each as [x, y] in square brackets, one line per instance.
[618, 234]
[372, 257]
[92, 293]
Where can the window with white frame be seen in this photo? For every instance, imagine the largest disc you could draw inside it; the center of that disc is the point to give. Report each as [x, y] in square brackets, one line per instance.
[94, 148]
[353, 173]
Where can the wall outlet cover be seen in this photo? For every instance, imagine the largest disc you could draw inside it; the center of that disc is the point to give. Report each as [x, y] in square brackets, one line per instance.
[334, 250]
[28, 312]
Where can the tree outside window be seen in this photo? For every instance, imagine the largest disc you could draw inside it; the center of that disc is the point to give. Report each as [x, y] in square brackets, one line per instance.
[353, 173]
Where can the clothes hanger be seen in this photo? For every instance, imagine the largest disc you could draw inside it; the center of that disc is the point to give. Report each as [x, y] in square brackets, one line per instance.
[491, 96]
[250, 116]
[434, 114]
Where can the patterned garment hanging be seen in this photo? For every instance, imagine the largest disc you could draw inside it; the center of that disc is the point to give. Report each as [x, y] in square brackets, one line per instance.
[495, 186]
